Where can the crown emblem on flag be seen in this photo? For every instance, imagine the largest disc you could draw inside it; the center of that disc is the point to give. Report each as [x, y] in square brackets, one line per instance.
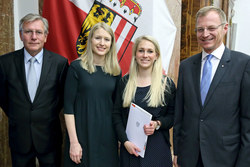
[133, 5]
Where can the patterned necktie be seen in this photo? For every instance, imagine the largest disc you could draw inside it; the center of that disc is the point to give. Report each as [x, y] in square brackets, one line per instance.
[31, 79]
[206, 78]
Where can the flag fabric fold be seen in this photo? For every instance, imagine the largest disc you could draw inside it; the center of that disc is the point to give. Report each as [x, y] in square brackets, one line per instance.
[71, 20]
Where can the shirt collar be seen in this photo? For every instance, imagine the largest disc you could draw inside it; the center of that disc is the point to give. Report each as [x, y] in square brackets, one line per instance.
[38, 57]
[216, 53]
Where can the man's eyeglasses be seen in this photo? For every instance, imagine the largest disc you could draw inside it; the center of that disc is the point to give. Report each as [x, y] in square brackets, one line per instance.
[210, 28]
[30, 32]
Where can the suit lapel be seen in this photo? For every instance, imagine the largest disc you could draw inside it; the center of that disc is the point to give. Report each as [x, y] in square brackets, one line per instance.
[222, 67]
[196, 75]
[19, 62]
[44, 72]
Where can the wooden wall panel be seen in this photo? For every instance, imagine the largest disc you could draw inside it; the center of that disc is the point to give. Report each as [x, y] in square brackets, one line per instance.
[6, 45]
[189, 45]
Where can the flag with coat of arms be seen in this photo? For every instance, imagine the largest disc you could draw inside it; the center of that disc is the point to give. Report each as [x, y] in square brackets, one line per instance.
[71, 20]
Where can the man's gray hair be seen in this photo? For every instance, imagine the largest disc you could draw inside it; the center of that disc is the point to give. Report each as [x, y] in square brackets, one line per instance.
[33, 17]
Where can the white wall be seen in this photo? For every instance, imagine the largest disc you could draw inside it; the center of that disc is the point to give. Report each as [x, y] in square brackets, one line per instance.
[242, 20]
[21, 8]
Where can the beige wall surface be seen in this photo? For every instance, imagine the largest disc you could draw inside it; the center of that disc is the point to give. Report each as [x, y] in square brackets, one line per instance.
[174, 7]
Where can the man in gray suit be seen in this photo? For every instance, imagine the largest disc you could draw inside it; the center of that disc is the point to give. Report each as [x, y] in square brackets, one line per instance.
[212, 116]
[31, 95]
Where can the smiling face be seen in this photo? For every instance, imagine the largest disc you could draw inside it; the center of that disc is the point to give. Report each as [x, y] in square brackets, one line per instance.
[210, 40]
[101, 42]
[33, 36]
[145, 55]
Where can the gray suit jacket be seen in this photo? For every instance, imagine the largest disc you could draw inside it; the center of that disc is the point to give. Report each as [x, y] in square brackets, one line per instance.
[220, 129]
[34, 123]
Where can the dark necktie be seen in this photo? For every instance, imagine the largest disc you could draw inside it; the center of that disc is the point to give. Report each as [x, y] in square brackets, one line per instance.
[206, 78]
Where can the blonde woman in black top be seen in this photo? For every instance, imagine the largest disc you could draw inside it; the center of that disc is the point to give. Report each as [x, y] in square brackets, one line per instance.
[146, 86]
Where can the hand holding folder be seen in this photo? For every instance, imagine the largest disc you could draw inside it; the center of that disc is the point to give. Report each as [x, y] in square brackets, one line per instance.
[137, 118]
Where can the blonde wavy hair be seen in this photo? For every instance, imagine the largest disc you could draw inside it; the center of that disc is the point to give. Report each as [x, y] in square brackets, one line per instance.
[111, 65]
[155, 96]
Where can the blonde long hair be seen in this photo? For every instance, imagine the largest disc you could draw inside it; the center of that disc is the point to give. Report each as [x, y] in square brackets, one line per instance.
[155, 96]
[111, 65]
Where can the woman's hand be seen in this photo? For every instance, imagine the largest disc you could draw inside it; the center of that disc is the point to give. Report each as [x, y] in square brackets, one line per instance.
[131, 148]
[175, 161]
[150, 129]
[75, 152]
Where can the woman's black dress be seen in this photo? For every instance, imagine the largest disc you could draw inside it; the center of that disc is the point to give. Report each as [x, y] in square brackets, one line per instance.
[90, 98]
[157, 152]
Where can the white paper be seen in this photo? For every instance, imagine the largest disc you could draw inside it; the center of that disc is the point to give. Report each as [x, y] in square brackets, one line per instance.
[137, 118]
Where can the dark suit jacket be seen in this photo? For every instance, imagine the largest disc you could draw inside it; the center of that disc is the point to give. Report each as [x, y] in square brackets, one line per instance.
[120, 114]
[34, 123]
[220, 129]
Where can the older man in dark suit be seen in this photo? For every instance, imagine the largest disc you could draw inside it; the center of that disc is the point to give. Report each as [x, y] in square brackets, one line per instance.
[212, 117]
[31, 95]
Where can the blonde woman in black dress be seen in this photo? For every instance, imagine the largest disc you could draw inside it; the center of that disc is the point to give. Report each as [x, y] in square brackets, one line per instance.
[146, 86]
[88, 103]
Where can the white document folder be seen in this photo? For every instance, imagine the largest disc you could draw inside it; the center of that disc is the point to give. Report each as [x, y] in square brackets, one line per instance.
[137, 118]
